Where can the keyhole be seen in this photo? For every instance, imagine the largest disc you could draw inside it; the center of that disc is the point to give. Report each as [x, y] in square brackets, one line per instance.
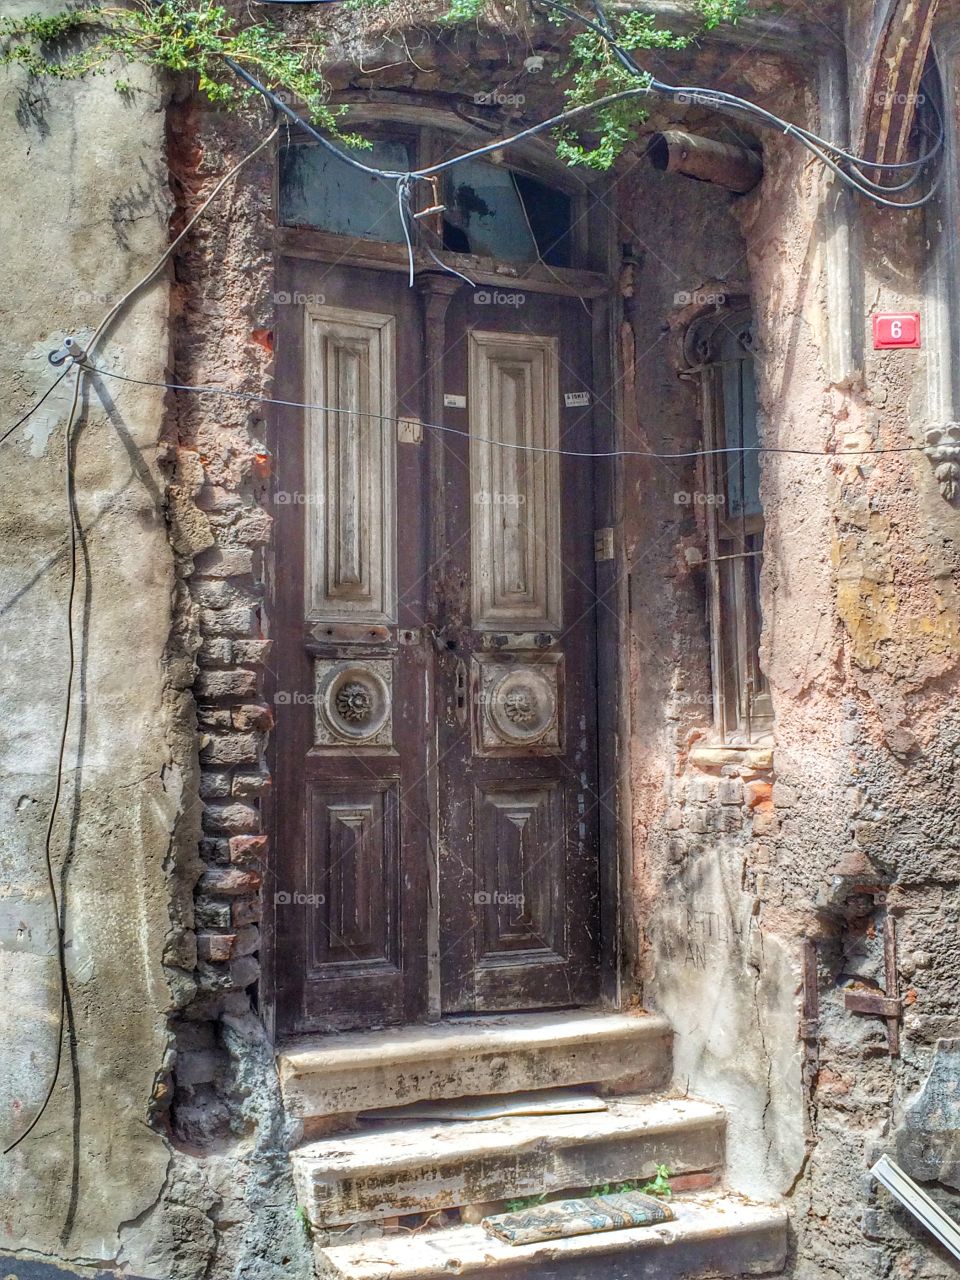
[460, 691]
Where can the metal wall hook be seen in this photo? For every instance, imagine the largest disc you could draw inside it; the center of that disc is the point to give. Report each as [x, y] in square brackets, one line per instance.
[71, 350]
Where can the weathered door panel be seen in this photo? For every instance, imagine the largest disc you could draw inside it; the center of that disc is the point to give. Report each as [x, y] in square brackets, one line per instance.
[434, 653]
[519, 916]
[349, 659]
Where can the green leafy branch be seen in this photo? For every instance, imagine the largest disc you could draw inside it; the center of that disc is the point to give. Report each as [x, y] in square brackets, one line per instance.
[196, 35]
[592, 70]
[176, 36]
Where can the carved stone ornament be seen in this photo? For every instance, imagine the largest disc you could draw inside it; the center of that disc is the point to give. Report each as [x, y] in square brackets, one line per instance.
[519, 705]
[354, 703]
[943, 450]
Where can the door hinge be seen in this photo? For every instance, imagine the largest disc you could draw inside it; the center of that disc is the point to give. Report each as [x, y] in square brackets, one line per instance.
[603, 544]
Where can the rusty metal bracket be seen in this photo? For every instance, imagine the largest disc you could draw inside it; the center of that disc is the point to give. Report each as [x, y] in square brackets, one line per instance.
[810, 1023]
[886, 1004]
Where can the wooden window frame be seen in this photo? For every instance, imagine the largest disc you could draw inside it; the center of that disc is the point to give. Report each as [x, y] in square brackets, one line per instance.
[742, 703]
[426, 132]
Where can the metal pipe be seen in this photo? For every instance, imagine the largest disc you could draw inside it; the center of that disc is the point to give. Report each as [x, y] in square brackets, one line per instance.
[927, 1212]
[736, 168]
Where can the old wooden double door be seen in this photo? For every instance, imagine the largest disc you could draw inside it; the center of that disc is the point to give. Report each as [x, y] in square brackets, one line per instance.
[434, 624]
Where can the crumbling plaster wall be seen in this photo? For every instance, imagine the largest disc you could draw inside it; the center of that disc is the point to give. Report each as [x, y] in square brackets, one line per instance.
[734, 854]
[117, 1170]
[732, 861]
[85, 210]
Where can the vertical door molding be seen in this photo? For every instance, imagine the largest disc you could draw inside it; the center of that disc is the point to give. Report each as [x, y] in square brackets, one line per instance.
[514, 481]
[436, 290]
[350, 461]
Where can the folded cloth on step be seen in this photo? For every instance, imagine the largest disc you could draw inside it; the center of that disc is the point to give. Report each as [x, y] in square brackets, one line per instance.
[561, 1218]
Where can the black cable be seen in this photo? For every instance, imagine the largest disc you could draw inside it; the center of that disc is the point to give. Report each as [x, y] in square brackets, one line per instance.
[61, 755]
[733, 104]
[719, 100]
[391, 175]
[456, 431]
[31, 411]
[395, 175]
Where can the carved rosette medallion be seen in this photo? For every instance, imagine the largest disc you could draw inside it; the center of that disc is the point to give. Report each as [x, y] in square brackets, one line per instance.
[354, 703]
[942, 447]
[518, 705]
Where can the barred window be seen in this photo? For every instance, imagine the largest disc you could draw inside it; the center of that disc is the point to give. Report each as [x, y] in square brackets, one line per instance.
[727, 364]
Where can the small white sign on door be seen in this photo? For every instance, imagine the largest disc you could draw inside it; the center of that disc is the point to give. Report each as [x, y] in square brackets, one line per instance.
[454, 402]
[573, 398]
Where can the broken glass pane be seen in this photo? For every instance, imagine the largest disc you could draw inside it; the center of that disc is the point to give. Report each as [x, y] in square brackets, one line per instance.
[318, 190]
[496, 213]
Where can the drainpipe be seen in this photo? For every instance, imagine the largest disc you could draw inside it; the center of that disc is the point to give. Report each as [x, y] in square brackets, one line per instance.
[736, 168]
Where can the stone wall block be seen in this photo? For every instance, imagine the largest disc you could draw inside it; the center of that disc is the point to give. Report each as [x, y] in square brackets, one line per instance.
[214, 784]
[252, 528]
[697, 821]
[231, 748]
[211, 914]
[730, 791]
[251, 783]
[233, 819]
[216, 946]
[244, 971]
[248, 850]
[224, 562]
[253, 716]
[215, 498]
[247, 911]
[247, 940]
[217, 593]
[237, 620]
[214, 717]
[253, 651]
[701, 790]
[215, 850]
[230, 881]
[240, 682]
[215, 651]
[758, 794]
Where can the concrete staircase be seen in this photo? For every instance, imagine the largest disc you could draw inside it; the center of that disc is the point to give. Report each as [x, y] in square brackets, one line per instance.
[402, 1157]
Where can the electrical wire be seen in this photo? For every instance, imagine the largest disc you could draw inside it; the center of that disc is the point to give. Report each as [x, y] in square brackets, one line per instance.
[396, 175]
[57, 900]
[604, 28]
[145, 279]
[503, 444]
[82, 368]
[720, 100]
[33, 409]
[824, 150]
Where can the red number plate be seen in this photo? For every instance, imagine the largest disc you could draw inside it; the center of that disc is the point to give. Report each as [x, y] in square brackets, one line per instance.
[896, 329]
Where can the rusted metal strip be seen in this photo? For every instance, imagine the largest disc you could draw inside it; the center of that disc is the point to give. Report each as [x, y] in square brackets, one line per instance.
[887, 1004]
[892, 984]
[865, 1002]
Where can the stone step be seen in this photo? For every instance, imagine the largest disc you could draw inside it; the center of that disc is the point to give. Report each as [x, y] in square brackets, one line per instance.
[399, 1168]
[714, 1235]
[415, 1168]
[340, 1075]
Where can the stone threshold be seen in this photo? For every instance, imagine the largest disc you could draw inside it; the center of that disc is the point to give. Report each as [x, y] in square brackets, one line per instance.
[397, 1167]
[345, 1073]
[715, 1234]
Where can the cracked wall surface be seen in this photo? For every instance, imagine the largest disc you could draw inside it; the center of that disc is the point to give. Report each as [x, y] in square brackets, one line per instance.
[735, 856]
[85, 213]
[176, 1154]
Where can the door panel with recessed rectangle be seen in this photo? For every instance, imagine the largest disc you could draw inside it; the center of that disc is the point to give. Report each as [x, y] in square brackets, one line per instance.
[433, 614]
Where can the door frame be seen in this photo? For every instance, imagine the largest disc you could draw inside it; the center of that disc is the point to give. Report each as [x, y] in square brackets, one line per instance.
[601, 287]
